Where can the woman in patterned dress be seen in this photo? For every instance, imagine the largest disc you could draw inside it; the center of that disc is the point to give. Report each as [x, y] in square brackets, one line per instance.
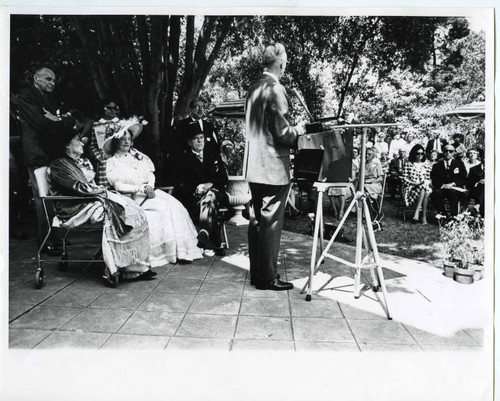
[125, 238]
[417, 183]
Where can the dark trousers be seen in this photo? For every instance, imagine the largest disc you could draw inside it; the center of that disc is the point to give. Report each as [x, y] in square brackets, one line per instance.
[394, 185]
[205, 214]
[439, 195]
[267, 211]
[478, 195]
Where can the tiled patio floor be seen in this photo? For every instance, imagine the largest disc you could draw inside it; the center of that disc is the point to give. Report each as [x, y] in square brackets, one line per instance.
[210, 305]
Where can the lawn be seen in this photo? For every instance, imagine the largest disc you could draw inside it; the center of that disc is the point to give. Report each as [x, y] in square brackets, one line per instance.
[397, 237]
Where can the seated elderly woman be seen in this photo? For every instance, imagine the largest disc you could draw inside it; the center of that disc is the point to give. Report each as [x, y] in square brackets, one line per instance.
[374, 175]
[417, 182]
[475, 183]
[171, 230]
[471, 160]
[374, 178]
[125, 238]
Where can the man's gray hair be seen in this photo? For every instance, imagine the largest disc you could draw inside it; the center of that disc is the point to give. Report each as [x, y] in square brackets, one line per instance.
[273, 54]
[39, 70]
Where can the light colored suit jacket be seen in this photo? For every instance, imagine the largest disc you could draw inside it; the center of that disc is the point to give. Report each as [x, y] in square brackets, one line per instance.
[269, 135]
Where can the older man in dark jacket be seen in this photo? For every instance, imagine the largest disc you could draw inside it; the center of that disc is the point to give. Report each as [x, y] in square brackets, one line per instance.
[41, 123]
[202, 183]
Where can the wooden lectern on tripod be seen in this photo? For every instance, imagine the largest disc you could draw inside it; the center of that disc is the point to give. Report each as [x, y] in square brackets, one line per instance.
[364, 234]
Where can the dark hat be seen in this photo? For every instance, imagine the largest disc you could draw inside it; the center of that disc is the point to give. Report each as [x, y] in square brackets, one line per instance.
[61, 139]
[193, 129]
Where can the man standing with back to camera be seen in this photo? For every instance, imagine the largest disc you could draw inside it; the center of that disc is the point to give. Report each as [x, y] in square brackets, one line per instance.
[269, 139]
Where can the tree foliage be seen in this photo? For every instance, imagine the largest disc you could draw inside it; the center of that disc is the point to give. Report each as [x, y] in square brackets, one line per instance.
[390, 69]
[134, 59]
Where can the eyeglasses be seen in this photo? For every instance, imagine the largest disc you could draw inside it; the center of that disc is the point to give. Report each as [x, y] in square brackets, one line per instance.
[420, 153]
[448, 151]
[111, 107]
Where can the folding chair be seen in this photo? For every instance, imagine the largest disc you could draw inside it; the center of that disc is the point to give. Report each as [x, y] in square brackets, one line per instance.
[55, 224]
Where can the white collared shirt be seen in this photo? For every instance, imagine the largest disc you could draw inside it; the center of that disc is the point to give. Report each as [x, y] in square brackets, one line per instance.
[199, 155]
[273, 76]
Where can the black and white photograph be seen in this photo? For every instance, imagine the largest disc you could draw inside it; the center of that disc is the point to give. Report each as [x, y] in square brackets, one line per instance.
[248, 203]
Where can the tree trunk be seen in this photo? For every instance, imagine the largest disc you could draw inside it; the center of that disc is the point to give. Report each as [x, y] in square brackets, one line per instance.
[171, 74]
[83, 35]
[198, 66]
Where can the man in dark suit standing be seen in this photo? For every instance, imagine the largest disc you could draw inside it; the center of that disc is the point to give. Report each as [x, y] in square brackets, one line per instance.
[202, 189]
[193, 124]
[436, 143]
[448, 178]
[184, 130]
[269, 139]
[41, 124]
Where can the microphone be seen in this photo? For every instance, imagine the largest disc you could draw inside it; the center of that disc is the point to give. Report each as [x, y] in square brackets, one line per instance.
[303, 103]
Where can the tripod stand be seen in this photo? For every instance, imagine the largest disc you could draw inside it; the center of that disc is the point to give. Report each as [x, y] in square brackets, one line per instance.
[364, 233]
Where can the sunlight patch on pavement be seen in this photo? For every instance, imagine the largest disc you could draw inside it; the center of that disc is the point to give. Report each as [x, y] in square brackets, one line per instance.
[238, 260]
[434, 312]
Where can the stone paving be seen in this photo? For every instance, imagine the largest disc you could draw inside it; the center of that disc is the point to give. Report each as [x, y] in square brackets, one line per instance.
[210, 305]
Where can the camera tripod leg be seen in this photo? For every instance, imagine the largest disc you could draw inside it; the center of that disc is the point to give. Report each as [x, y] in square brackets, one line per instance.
[317, 228]
[370, 260]
[373, 245]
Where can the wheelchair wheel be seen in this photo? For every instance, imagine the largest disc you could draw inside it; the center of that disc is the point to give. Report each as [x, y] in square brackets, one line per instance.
[63, 262]
[39, 278]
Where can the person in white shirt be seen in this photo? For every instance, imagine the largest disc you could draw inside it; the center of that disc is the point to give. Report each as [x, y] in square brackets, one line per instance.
[410, 142]
[381, 146]
[396, 144]
[471, 160]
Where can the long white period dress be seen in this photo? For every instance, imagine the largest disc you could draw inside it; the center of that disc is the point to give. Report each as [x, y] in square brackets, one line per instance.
[172, 233]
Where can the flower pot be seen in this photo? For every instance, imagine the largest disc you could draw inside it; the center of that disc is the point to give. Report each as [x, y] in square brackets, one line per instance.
[238, 192]
[449, 268]
[478, 272]
[464, 275]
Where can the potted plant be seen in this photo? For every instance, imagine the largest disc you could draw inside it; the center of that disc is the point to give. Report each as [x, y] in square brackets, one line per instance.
[464, 272]
[462, 238]
[449, 241]
[478, 263]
